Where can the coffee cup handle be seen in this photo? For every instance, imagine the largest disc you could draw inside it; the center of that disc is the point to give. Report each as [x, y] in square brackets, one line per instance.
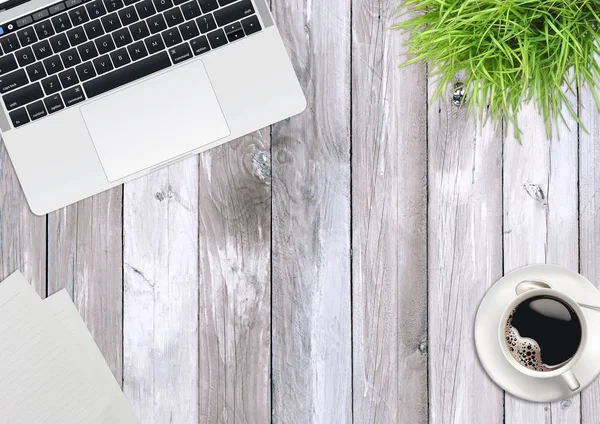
[526, 285]
[571, 380]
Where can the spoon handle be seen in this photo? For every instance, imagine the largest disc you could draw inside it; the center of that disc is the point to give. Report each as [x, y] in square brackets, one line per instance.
[594, 308]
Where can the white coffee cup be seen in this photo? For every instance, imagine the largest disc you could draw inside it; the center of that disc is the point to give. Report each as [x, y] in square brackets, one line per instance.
[527, 290]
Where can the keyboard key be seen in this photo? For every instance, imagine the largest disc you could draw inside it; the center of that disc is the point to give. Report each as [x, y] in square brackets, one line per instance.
[53, 65]
[234, 12]
[95, 9]
[54, 103]
[191, 10]
[36, 110]
[7, 64]
[9, 43]
[200, 45]
[19, 117]
[180, 53]
[76, 36]
[208, 5]
[206, 23]
[85, 71]
[61, 22]
[103, 64]
[120, 58]
[25, 20]
[51, 85]
[27, 36]
[70, 58]
[122, 37]
[113, 5]
[59, 43]
[25, 56]
[234, 31]
[154, 44]
[157, 23]
[217, 38]
[87, 51]
[128, 2]
[226, 2]
[79, 16]
[55, 8]
[178, 2]
[173, 16]
[189, 30]
[137, 50]
[172, 37]
[128, 15]
[40, 14]
[13, 80]
[162, 5]
[22, 96]
[251, 25]
[43, 29]
[73, 96]
[72, 3]
[93, 29]
[145, 9]
[68, 78]
[36, 71]
[127, 74]
[105, 44]
[42, 50]
[139, 30]
[111, 22]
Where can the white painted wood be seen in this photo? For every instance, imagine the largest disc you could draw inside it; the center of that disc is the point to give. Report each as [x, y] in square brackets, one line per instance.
[311, 222]
[540, 225]
[465, 259]
[160, 259]
[389, 226]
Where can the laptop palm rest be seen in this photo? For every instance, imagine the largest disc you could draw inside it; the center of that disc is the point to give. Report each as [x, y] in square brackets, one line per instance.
[155, 121]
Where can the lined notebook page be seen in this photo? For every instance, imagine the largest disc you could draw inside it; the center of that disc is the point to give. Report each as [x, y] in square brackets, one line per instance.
[41, 381]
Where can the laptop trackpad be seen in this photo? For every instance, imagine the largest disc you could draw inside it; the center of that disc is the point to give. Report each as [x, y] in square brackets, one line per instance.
[155, 121]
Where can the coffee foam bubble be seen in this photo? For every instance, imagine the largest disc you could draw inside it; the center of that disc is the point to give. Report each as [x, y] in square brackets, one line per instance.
[526, 351]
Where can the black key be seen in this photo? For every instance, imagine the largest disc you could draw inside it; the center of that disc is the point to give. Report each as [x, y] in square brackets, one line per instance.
[189, 30]
[86, 71]
[234, 12]
[13, 80]
[53, 65]
[225, 2]
[206, 23]
[157, 23]
[112, 5]
[105, 44]
[172, 37]
[36, 110]
[7, 64]
[162, 5]
[68, 78]
[55, 8]
[154, 44]
[208, 5]
[191, 10]
[178, 2]
[93, 29]
[73, 96]
[51, 85]
[103, 64]
[9, 43]
[72, 3]
[22, 96]
[42, 50]
[44, 29]
[19, 117]
[234, 31]
[54, 103]
[79, 16]
[139, 30]
[87, 51]
[76, 36]
[145, 9]
[111, 22]
[70, 58]
[180, 53]
[59, 43]
[61, 22]
[122, 37]
[251, 25]
[120, 58]
[25, 20]
[27, 36]
[200, 45]
[137, 50]
[36, 71]
[95, 9]
[173, 16]
[128, 2]
[25, 56]
[217, 38]
[40, 14]
[127, 74]
[128, 15]
[236, 26]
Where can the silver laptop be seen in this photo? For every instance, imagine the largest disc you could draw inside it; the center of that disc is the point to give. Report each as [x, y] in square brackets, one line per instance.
[98, 92]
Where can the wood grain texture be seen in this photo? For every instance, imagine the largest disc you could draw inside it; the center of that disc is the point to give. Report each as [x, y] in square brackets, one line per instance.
[540, 225]
[389, 209]
[235, 276]
[160, 300]
[85, 257]
[311, 222]
[465, 259]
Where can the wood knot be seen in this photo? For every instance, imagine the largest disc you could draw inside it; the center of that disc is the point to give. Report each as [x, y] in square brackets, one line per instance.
[458, 95]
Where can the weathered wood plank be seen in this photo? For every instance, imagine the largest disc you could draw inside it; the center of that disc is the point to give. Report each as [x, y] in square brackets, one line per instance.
[311, 222]
[389, 224]
[465, 259]
[160, 299]
[540, 225]
[235, 282]
[85, 257]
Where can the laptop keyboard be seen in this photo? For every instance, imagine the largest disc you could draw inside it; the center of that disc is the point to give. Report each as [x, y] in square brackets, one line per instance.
[76, 49]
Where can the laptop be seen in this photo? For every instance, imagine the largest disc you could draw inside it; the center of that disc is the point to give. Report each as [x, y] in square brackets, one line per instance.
[98, 92]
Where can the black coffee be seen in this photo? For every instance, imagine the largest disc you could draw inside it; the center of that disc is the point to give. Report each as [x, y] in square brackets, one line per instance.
[543, 333]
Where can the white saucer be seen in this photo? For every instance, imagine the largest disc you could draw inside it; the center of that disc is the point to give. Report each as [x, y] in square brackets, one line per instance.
[488, 345]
